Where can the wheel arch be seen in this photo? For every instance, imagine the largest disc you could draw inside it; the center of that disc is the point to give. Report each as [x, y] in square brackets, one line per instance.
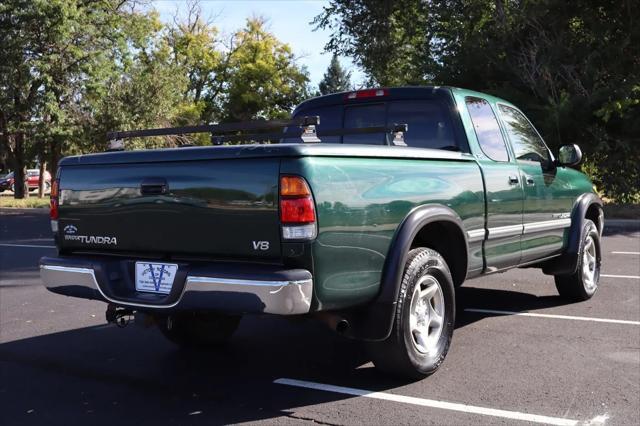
[586, 206]
[375, 320]
[453, 248]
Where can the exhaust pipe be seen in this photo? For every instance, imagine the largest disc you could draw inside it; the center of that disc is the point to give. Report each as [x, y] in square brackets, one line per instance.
[336, 322]
[342, 326]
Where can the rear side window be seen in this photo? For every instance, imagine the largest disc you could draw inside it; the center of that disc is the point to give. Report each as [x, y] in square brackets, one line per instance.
[526, 142]
[487, 129]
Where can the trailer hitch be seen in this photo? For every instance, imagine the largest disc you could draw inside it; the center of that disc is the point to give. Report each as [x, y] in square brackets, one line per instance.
[119, 316]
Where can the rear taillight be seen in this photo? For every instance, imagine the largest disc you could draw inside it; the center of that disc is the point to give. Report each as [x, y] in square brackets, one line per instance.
[368, 93]
[297, 210]
[53, 212]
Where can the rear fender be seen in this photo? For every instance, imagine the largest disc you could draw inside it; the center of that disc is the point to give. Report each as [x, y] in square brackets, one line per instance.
[374, 321]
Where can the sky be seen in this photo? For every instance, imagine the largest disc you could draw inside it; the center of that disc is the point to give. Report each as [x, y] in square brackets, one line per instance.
[289, 20]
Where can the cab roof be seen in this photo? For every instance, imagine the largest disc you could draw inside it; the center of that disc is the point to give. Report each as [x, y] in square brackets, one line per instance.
[393, 93]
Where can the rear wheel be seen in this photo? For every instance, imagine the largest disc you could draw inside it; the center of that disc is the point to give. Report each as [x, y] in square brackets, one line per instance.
[583, 284]
[424, 321]
[195, 330]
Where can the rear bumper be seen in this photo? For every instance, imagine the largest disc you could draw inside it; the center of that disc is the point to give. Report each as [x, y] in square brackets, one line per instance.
[204, 287]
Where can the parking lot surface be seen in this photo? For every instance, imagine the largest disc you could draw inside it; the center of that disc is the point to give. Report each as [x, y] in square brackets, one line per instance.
[520, 355]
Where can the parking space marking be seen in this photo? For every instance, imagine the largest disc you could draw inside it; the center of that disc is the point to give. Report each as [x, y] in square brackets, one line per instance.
[432, 403]
[626, 252]
[26, 245]
[632, 277]
[565, 317]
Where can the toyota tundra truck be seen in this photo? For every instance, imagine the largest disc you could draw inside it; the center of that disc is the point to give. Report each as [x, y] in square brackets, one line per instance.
[366, 209]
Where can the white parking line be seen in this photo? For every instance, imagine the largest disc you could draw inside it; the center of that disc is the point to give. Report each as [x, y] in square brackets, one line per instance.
[626, 252]
[565, 317]
[453, 406]
[26, 245]
[632, 277]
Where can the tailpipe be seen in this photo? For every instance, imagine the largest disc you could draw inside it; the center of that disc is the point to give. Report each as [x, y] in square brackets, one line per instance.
[336, 322]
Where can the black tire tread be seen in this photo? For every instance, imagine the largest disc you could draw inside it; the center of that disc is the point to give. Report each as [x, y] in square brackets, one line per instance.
[570, 286]
[388, 355]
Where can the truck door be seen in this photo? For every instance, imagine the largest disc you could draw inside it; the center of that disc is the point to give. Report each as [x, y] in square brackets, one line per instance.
[504, 189]
[546, 208]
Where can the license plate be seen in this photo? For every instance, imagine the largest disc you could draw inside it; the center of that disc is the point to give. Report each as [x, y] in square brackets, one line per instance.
[154, 277]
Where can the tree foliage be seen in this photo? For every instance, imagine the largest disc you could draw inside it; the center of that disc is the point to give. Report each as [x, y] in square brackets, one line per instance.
[72, 70]
[262, 78]
[574, 67]
[336, 79]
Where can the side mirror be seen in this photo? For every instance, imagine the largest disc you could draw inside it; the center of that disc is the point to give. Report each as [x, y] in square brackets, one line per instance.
[569, 155]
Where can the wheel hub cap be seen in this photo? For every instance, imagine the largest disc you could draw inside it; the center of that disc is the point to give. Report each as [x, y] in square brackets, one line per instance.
[590, 265]
[426, 315]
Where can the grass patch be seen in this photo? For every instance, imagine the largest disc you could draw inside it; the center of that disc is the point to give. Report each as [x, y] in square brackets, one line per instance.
[25, 203]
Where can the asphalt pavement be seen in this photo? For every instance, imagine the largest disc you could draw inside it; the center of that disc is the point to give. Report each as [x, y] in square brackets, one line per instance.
[520, 355]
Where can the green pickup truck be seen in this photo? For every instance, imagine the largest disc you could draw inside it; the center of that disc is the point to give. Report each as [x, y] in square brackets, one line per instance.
[369, 219]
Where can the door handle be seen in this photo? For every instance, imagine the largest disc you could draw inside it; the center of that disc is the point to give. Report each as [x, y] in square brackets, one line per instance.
[530, 181]
[513, 179]
[154, 186]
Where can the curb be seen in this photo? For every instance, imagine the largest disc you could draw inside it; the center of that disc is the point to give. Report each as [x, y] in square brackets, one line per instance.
[16, 210]
[622, 224]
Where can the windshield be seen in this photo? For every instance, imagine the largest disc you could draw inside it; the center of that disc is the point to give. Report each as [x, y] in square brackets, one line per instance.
[429, 122]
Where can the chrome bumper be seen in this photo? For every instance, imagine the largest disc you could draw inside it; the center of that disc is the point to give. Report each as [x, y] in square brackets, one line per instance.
[282, 297]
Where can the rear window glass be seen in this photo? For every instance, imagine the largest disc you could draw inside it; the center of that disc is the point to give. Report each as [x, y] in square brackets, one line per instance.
[330, 119]
[359, 116]
[429, 122]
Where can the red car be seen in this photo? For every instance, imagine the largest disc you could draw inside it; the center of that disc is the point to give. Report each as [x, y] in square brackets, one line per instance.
[33, 175]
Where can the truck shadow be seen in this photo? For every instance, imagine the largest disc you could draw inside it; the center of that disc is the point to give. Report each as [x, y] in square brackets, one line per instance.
[107, 375]
[500, 300]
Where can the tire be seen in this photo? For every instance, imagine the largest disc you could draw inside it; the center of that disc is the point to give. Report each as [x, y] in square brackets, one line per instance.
[198, 331]
[415, 349]
[583, 284]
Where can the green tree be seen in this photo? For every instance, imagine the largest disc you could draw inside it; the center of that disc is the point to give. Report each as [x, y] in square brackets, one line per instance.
[55, 54]
[146, 89]
[262, 79]
[574, 67]
[336, 79]
[72, 70]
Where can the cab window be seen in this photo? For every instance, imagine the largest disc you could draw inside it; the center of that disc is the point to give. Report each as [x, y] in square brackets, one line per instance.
[527, 144]
[487, 129]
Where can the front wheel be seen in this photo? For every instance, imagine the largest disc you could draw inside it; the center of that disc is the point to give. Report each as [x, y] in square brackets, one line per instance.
[583, 284]
[424, 321]
[196, 330]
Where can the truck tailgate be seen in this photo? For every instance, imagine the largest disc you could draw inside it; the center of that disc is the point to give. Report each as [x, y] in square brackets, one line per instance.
[213, 207]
